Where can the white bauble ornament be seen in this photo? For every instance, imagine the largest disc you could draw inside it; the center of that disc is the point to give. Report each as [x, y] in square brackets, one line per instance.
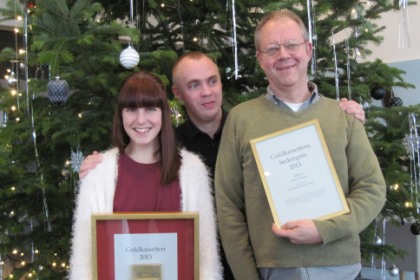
[393, 270]
[12, 81]
[129, 57]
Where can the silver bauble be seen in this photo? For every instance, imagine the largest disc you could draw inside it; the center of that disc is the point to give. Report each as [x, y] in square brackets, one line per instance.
[129, 57]
[12, 81]
[393, 270]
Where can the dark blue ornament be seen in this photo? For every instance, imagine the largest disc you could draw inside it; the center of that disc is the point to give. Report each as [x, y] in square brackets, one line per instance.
[415, 228]
[378, 92]
[58, 91]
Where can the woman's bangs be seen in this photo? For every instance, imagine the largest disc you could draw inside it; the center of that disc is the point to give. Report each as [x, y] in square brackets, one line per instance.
[147, 97]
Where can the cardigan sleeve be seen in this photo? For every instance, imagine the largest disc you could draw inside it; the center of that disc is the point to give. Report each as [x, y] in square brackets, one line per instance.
[96, 192]
[81, 247]
[197, 197]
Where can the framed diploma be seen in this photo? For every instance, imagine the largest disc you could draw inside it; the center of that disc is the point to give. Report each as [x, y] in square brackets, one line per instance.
[298, 175]
[145, 246]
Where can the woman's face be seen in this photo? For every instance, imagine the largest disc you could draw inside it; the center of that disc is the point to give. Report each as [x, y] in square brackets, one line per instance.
[142, 125]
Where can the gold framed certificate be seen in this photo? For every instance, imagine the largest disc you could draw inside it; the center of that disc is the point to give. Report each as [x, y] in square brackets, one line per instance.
[298, 175]
[145, 246]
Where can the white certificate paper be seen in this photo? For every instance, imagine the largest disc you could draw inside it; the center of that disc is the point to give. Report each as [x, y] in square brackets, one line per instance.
[146, 248]
[298, 175]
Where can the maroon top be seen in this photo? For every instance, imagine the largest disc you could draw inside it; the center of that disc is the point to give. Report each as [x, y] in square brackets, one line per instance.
[139, 189]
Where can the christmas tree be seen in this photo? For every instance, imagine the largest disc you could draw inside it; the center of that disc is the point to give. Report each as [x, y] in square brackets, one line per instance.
[72, 72]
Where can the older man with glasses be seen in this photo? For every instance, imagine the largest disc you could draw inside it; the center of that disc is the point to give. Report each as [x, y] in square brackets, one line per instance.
[303, 249]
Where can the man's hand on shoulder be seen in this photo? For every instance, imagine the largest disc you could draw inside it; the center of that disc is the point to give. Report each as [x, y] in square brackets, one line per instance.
[89, 163]
[353, 108]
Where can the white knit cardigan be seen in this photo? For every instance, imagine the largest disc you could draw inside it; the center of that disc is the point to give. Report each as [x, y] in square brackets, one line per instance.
[96, 195]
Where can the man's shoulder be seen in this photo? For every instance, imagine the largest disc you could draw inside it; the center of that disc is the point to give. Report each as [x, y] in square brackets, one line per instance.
[251, 103]
[325, 100]
[184, 126]
[248, 108]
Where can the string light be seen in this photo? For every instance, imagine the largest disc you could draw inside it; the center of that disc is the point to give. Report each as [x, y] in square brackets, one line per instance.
[408, 204]
[394, 187]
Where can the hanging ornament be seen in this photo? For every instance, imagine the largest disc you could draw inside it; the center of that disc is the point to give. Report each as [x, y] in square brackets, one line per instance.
[58, 91]
[394, 271]
[337, 81]
[235, 41]
[3, 120]
[313, 38]
[378, 92]
[415, 228]
[404, 37]
[395, 101]
[356, 13]
[390, 100]
[11, 80]
[129, 57]
[348, 70]
[378, 241]
[76, 160]
[412, 144]
[31, 6]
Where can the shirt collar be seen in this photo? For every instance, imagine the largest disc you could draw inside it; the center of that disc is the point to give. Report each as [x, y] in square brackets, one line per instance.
[192, 130]
[314, 97]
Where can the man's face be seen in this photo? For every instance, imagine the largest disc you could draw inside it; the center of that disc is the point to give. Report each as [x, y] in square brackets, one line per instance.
[199, 86]
[284, 68]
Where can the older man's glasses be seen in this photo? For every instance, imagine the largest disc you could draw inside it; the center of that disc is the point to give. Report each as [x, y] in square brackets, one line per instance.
[290, 46]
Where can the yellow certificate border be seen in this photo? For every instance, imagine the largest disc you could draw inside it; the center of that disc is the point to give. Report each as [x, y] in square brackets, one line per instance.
[315, 122]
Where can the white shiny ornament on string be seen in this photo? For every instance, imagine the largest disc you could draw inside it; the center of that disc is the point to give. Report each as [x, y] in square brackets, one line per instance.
[129, 57]
[378, 241]
[12, 81]
[394, 271]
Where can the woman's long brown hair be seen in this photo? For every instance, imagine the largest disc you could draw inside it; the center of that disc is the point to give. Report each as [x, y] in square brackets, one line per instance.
[144, 89]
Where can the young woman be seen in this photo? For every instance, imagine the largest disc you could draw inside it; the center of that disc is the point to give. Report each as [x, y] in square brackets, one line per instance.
[145, 172]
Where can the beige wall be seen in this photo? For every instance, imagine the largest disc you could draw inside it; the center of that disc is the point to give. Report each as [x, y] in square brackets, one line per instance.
[389, 51]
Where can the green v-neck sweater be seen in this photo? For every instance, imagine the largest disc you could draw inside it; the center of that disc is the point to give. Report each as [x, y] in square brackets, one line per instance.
[244, 214]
